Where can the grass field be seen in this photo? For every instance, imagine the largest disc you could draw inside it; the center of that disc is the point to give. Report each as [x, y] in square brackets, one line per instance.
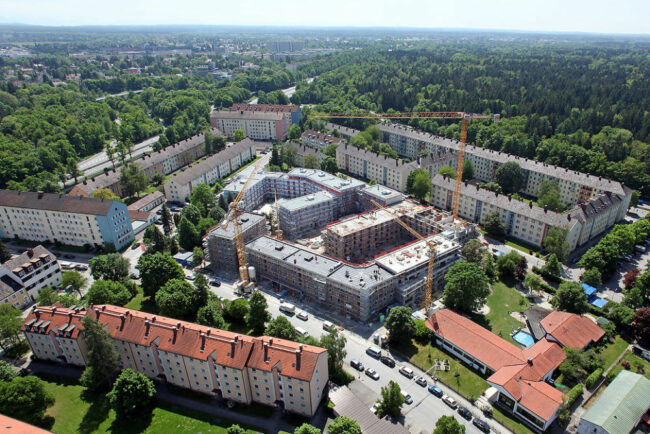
[75, 411]
[502, 300]
[634, 362]
[612, 350]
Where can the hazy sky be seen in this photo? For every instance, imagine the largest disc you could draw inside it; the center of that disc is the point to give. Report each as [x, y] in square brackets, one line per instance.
[601, 16]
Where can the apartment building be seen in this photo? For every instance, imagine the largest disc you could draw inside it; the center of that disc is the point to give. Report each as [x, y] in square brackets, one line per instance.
[294, 111]
[258, 125]
[219, 243]
[528, 222]
[148, 202]
[303, 151]
[575, 187]
[70, 220]
[361, 291]
[23, 276]
[179, 187]
[307, 214]
[163, 161]
[216, 362]
[370, 165]
[317, 140]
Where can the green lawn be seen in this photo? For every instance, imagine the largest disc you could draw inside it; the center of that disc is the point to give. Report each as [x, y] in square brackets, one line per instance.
[468, 383]
[634, 362]
[612, 350]
[510, 422]
[75, 411]
[503, 299]
[137, 301]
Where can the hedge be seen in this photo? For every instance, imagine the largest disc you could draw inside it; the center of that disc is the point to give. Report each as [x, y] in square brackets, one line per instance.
[574, 394]
[611, 375]
[593, 378]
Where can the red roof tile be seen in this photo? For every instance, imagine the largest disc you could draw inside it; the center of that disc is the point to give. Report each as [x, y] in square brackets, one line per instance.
[57, 319]
[14, 426]
[293, 359]
[572, 330]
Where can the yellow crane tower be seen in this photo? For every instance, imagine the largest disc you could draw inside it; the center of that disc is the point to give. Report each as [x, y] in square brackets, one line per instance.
[234, 217]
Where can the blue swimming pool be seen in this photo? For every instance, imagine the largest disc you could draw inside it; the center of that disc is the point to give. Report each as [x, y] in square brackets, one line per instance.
[523, 338]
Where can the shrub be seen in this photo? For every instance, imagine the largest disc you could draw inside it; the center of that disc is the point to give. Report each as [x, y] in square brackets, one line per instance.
[611, 375]
[593, 378]
[574, 394]
[423, 334]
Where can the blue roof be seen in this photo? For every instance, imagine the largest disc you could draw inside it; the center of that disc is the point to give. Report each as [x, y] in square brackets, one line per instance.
[597, 301]
[588, 289]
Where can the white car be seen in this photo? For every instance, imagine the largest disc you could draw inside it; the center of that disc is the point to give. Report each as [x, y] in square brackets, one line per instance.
[302, 315]
[451, 402]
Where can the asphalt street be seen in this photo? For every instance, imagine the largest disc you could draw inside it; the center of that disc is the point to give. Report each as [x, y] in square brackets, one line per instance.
[99, 161]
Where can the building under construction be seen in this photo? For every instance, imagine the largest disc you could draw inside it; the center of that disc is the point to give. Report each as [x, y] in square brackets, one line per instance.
[219, 243]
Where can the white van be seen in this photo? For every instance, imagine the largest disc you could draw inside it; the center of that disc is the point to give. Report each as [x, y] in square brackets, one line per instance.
[287, 308]
[327, 325]
[407, 397]
[374, 352]
[301, 332]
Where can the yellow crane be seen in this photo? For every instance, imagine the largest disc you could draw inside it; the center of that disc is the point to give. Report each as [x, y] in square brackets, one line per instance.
[433, 254]
[233, 216]
[464, 118]
[278, 231]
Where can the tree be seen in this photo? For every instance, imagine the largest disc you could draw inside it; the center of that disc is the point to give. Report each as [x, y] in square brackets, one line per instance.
[156, 270]
[10, 324]
[223, 202]
[197, 256]
[621, 316]
[281, 328]
[294, 132]
[493, 224]
[466, 287]
[555, 242]
[74, 279]
[157, 179]
[641, 321]
[548, 196]
[592, 277]
[177, 298]
[47, 296]
[400, 324]
[288, 154]
[448, 171]
[238, 309]
[410, 180]
[329, 165]
[108, 292]
[334, 342]
[571, 297]
[105, 193]
[7, 371]
[235, 429]
[489, 267]
[521, 267]
[311, 162]
[275, 156]
[167, 221]
[25, 398]
[133, 179]
[468, 170]
[448, 425]
[211, 315]
[112, 266]
[238, 136]
[257, 315]
[533, 282]
[306, 428]
[391, 400]
[5, 254]
[629, 278]
[634, 201]
[330, 150]
[102, 361]
[192, 213]
[188, 236]
[422, 185]
[507, 263]
[155, 240]
[203, 197]
[492, 186]
[633, 298]
[132, 394]
[578, 364]
[217, 214]
[510, 177]
[474, 251]
[343, 425]
[552, 268]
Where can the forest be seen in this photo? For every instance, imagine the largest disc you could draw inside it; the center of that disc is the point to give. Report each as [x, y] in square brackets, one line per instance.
[578, 104]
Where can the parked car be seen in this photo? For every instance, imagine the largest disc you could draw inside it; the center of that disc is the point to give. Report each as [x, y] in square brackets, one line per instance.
[190, 276]
[451, 402]
[135, 246]
[373, 352]
[388, 361]
[81, 267]
[478, 423]
[356, 365]
[407, 372]
[302, 315]
[435, 391]
[302, 332]
[407, 398]
[159, 212]
[465, 413]
[215, 282]
[372, 374]
[135, 275]
[374, 408]
[327, 325]
[421, 381]
[68, 256]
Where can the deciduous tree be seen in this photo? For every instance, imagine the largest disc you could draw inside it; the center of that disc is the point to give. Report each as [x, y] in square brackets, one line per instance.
[25, 398]
[188, 236]
[400, 324]
[334, 342]
[108, 292]
[391, 400]
[112, 266]
[156, 269]
[343, 425]
[468, 170]
[493, 224]
[203, 197]
[258, 314]
[466, 287]
[555, 242]
[510, 177]
[281, 328]
[238, 136]
[571, 297]
[177, 298]
[10, 323]
[132, 394]
[592, 277]
[74, 279]
[133, 179]
[642, 326]
[448, 425]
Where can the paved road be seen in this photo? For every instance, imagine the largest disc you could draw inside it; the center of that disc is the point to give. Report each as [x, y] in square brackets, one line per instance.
[288, 91]
[99, 161]
[426, 408]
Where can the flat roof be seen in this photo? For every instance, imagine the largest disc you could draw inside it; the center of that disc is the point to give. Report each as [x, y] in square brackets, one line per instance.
[306, 201]
[374, 217]
[327, 180]
[383, 193]
[247, 219]
[414, 254]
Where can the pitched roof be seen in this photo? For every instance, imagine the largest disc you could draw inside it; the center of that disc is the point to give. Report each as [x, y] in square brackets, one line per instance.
[55, 202]
[250, 115]
[57, 319]
[28, 257]
[328, 139]
[292, 358]
[572, 330]
[15, 426]
[475, 340]
[141, 203]
[264, 107]
[622, 404]
[374, 157]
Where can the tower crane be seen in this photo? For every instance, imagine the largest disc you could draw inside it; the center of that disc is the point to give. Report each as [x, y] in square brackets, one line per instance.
[233, 217]
[433, 254]
[464, 118]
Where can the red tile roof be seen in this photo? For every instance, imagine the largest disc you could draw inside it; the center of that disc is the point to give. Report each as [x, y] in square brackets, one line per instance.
[475, 340]
[572, 330]
[57, 319]
[14, 426]
[293, 359]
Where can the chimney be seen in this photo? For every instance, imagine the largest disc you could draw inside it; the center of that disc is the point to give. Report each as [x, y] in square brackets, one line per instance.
[40, 195]
[298, 354]
[147, 325]
[37, 314]
[266, 351]
[121, 322]
[510, 198]
[202, 341]
[530, 204]
[530, 361]
[568, 217]
[477, 187]
[207, 332]
[175, 330]
[153, 318]
[545, 209]
[96, 313]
